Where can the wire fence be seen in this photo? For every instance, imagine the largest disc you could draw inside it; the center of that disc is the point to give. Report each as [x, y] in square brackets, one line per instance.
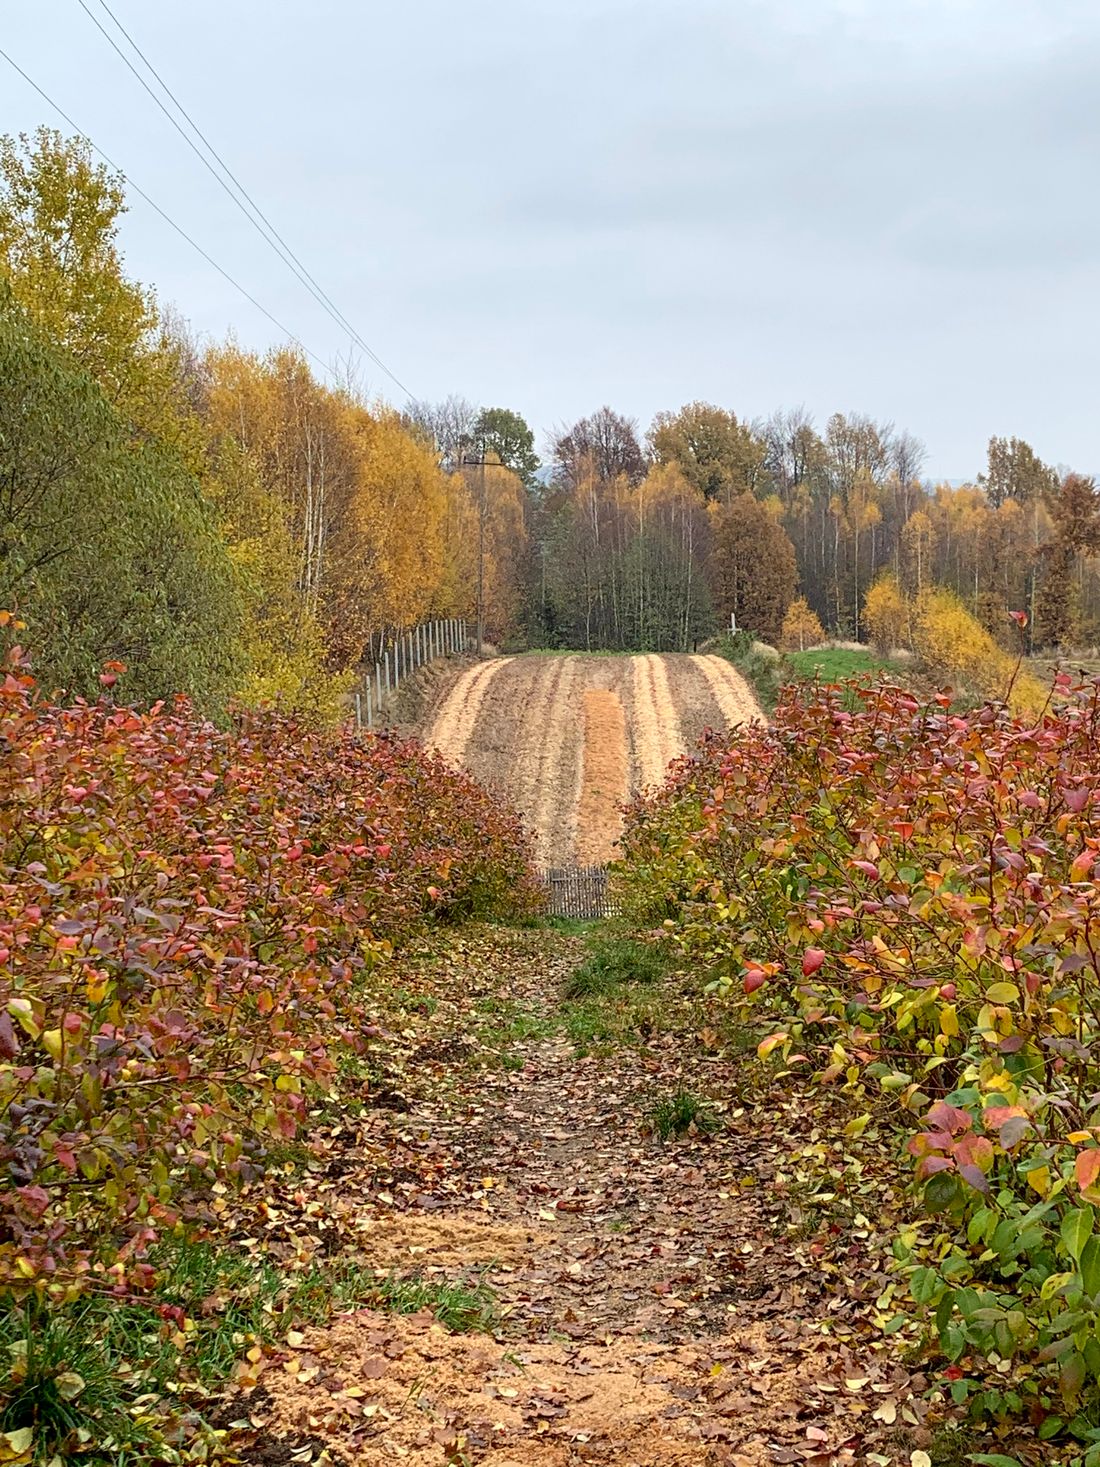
[581, 892]
[400, 656]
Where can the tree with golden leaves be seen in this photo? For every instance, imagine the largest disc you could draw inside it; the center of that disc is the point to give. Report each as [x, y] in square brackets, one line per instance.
[801, 627]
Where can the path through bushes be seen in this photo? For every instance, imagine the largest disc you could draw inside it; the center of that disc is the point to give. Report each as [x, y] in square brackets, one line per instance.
[682, 1300]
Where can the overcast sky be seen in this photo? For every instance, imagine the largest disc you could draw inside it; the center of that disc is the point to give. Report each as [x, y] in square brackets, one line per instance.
[885, 206]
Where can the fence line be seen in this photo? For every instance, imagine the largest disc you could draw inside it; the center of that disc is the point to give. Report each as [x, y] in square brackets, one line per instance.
[400, 656]
[581, 892]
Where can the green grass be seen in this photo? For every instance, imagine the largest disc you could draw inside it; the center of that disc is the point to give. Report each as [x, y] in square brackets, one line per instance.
[614, 997]
[606, 1022]
[679, 1113]
[102, 1372]
[501, 1024]
[838, 664]
[463, 1308]
[613, 962]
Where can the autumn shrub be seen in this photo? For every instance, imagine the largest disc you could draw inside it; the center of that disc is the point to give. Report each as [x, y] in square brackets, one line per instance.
[187, 916]
[954, 646]
[906, 901]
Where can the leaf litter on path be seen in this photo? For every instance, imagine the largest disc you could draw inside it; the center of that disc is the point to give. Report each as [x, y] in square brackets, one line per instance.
[654, 1304]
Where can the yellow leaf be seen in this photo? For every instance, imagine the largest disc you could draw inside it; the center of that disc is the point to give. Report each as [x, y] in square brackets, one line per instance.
[23, 1013]
[1077, 1136]
[1038, 1179]
[765, 1047]
[1002, 993]
[69, 1385]
[858, 1126]
[51, 1041]
[16, 1446]
[949, 1021]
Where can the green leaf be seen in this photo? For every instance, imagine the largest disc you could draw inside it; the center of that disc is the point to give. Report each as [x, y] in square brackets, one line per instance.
[1076, 1230]
[944, 1310]
[924, 1285]
[994, 1459]
[941, 1192]
[1090, 1267]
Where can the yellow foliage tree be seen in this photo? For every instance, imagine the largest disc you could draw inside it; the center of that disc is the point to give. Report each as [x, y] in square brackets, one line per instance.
[505, 548]
[283, 643]
[59, 212]
[801, 627]
[955, 647]
[886, 616]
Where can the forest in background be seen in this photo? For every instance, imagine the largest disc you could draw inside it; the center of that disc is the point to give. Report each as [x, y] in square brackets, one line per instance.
[232, 526]
[653, 543]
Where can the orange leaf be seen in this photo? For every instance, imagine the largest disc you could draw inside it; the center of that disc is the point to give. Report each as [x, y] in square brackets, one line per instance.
[1087, 1167]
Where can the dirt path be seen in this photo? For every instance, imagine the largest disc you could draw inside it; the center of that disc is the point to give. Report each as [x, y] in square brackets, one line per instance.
[656, 1306]
[528, 727]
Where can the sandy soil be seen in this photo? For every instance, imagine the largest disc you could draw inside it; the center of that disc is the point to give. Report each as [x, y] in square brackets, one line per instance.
[605, 779]
[451, 730]
[528, 728]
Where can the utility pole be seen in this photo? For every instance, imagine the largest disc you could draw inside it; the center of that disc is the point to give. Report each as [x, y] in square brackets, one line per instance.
[481, 560]
[479, 464]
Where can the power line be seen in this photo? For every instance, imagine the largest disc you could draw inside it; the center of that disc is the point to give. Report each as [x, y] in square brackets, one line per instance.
[257, 218]
[166, 217]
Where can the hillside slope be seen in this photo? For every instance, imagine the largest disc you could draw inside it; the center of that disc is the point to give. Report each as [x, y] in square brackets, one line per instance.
[568, 738]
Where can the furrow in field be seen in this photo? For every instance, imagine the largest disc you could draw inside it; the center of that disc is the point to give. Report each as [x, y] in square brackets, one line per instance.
[450, 733]
[656, 728]
[731, 692]
[605, 779]
[535, 770]
[553, 812]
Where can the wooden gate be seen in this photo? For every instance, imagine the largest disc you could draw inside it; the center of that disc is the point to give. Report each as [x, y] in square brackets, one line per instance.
[578, 891]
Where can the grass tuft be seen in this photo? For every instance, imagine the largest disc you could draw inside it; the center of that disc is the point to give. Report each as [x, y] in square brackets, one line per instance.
[98, 1380]
[681, 1113]
[612, 963]
[463, 1308]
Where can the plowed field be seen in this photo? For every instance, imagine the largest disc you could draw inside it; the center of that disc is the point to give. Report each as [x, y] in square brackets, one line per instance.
[568, 738]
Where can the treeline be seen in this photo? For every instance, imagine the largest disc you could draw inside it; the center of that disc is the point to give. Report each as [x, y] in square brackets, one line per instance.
[648, 545]
[223, 523]
[652, 543]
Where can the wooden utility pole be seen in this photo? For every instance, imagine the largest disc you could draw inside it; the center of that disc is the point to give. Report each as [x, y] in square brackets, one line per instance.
[479, 464]
[481, 560]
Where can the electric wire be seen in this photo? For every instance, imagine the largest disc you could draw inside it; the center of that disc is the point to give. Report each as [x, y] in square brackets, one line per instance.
[166, 217]
[261, 223]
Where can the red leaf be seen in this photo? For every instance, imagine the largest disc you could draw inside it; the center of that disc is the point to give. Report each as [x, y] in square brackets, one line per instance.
[812, 959]
[753, 980]
[949, 1118]
[975, 1176]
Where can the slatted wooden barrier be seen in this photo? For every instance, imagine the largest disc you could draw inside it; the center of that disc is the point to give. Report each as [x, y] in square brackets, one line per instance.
[578, 891]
